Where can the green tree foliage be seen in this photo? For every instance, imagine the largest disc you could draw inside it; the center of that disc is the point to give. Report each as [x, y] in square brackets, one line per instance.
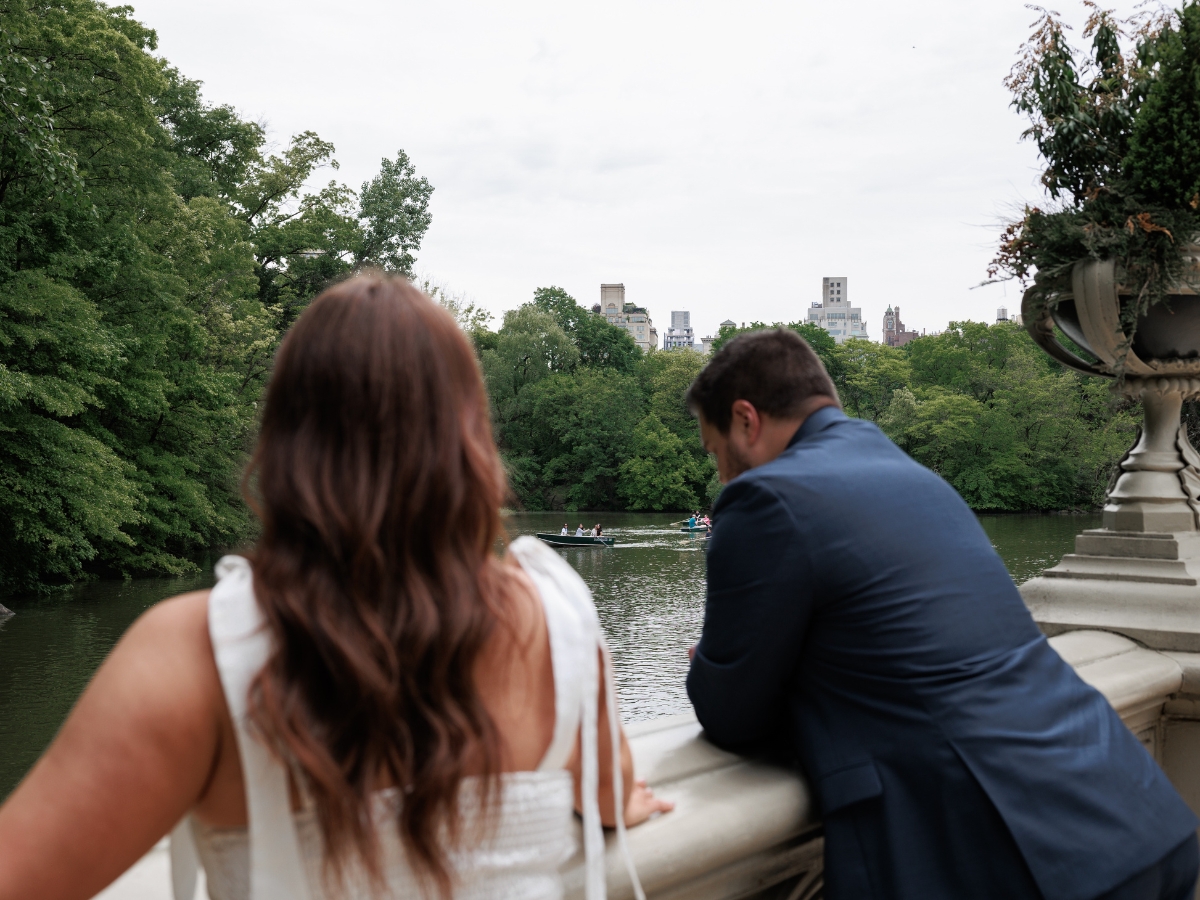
[576, 430]
[151, 255]
[1007, 426]
[584, 419]
[866, 375]
[817, 337]
[600, 344]
[530, 346]
[1163, 161]
[1117, 129]
[659, 473]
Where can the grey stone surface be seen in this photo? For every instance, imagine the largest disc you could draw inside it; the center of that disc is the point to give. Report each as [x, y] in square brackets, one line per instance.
[1141, 545]
[738, 826]
[1144, 585]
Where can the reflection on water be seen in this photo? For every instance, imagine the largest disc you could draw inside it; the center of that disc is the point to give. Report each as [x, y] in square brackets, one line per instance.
[649, 590]
[1030, 544]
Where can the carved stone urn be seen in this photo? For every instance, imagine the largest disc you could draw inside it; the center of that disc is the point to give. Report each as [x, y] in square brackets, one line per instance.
[1158, 487]
[1140, 573]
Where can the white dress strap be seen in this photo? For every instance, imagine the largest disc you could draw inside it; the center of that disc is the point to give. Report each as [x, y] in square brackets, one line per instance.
[576, 646]
[572, 639]
[241, 646]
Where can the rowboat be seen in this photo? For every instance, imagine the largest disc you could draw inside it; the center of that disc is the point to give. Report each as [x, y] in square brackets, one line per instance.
[571, 540]
[695, 530]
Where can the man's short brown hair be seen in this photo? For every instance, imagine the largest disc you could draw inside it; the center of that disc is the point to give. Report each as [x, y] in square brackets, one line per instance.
[775, 371]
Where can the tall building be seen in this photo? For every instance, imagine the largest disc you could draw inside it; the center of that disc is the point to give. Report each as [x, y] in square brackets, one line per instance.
[1002, 315]
[679, 335]
[834, 313]
[634, 319]
[894, 334]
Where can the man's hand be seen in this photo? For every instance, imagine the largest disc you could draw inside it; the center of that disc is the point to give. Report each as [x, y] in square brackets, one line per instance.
[692, 652]
[643, 804]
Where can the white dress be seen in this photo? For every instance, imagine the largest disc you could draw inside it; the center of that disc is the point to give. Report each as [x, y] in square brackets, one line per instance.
[278, 855]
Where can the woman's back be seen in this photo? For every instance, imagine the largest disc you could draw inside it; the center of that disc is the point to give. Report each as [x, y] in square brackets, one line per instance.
[516, 853]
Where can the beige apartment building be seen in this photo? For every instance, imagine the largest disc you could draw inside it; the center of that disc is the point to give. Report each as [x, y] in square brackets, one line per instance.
[634, 319]
[834, 313]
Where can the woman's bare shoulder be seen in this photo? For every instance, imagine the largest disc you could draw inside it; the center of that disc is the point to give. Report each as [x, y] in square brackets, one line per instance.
[175, 628]
[169, 642]
[181, 615]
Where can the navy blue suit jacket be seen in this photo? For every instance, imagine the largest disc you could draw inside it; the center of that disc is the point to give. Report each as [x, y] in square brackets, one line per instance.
[857, 609]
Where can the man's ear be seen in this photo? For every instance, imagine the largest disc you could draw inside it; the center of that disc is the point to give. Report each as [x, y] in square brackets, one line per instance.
[746, 418]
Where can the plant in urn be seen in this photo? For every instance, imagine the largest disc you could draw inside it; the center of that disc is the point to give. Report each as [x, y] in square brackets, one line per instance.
[1113, 272]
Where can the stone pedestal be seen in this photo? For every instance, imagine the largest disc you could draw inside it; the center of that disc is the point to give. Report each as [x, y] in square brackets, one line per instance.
[1144, 585]
[1151, 494]
[1139, 575]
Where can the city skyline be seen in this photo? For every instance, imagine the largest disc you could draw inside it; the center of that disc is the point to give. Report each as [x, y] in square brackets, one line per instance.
[571, 149]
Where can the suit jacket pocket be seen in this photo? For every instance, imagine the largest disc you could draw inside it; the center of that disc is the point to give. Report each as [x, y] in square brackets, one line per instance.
[847, 785]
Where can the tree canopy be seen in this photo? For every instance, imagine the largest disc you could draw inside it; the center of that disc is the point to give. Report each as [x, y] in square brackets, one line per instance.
[152, 253]
[584, 419]
[1007, 426]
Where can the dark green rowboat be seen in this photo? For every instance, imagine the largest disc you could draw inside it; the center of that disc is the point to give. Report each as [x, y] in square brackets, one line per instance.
[695, 530]
[570, 540]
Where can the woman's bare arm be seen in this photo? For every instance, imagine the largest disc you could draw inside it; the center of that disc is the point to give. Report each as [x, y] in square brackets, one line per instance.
[640, 802]
[134, 756]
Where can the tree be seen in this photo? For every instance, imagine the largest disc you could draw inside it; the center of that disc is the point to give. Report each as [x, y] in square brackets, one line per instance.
[600, 344]
[471, 318]
[1004, 424]
[665, 378]
[151, 256]
[63, 493]
[394, 207]
[867, 375]
[821, 341]
[578, 428]
[530, 346]
[659, 473]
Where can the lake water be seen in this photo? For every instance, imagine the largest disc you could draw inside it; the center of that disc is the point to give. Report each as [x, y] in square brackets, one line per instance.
[649, 590]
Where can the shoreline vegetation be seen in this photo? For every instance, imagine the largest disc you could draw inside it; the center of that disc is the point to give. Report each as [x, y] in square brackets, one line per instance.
[154, 250]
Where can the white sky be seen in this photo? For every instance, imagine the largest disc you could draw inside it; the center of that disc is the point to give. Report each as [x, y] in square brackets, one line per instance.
[715, 157]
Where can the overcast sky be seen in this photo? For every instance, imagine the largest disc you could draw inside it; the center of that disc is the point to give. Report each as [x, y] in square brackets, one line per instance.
[714, 157]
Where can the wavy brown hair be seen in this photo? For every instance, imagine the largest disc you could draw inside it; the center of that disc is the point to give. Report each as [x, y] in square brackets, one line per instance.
[379, 489]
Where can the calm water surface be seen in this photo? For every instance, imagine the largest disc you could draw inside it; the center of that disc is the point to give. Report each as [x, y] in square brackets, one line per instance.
[649, 590]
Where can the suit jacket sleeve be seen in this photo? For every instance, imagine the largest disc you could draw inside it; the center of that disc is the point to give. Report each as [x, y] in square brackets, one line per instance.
[758, 606]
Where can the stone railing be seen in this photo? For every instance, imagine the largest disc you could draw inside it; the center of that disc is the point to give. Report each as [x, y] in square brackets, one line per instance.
[746, 829]
[739, 827]
[743, 829]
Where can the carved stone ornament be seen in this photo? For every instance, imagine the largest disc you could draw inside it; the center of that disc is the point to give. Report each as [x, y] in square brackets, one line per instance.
[1156, 486]
[1189, 475]
[1167, 338]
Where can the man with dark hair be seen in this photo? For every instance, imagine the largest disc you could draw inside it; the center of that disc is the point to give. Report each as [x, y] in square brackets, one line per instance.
[857, 612]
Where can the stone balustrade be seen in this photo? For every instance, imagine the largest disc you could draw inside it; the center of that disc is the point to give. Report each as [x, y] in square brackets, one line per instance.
[747, 829]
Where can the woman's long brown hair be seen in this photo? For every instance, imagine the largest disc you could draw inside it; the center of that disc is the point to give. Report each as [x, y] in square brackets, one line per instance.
[379, 488]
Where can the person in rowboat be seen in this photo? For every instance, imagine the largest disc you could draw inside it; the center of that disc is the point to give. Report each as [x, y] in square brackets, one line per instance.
[564, 531]
[597, 531]
[579, 530]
